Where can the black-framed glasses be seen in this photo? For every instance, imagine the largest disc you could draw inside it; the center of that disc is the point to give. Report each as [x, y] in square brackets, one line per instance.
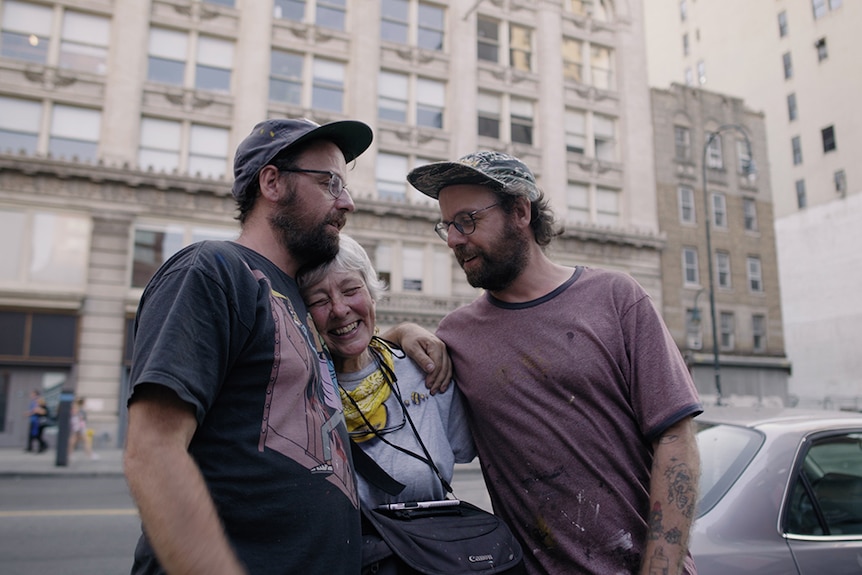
[464, 222]
[336, 184]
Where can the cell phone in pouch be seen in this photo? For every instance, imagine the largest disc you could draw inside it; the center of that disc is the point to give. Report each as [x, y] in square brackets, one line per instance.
[420, 504]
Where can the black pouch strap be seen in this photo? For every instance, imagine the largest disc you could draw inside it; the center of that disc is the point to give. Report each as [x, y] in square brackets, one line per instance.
[373, 473]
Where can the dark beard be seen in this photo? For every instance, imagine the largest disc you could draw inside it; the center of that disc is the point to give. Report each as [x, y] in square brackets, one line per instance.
[310, 244]
[502, 266]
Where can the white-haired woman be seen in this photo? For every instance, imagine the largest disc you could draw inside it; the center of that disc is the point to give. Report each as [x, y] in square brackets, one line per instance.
[379, 385]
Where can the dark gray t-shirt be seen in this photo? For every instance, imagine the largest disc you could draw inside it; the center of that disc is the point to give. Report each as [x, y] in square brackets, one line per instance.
[228, 332]
[565, 395]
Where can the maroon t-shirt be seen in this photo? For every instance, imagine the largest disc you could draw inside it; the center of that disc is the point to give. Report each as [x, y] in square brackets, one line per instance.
[566, 394]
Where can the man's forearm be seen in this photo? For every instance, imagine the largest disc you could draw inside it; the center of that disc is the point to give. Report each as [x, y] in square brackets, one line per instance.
[673, 497]
[176, 508]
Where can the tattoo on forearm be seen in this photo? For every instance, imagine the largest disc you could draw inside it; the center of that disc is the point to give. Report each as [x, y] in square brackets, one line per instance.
[655, 522]
[681, 489]
[659, 564]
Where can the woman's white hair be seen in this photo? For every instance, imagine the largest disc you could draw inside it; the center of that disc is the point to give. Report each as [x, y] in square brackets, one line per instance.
[351, 257]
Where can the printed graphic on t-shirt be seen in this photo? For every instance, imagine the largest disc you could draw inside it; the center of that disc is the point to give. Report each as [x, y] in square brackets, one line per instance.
[301, 417]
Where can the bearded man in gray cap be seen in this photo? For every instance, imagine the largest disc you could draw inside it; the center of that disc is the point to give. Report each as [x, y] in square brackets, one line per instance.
[237, 453]
[579, 401]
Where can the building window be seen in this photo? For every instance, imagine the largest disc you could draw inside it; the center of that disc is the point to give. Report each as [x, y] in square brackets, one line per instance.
[788, 65]
[160, 145]
[489, 115]
[522, 121]
[686, 205]
[714, 157]
[694, 338]
[607, 206]
[395, 21]
[819, 7]
[792, 111]
[330, 14]
[19, 125]
[801, 198]
[74, 132]
[822, 52]
[391, 173]
[727, 328]
[84, 42]
[289, 10]
[685, 44]
[682, 143]
[576, 136]
[520, 47]
[835, 4]
[743, 158]
[828, 134]
[397, 24]
[719, 210]
[413, 266]
[285, 77]
[393, 100]
[782, 24]
[44, 248]
[160, 148]
[488, 32]
[796, 145]
[578, 202]
[573, 63]
[392, 97]
[26, 31]
[755, 275]
[604, 136]
[214, 64]
[208, 150]
[690, 273]
[840, 179]
[431, 26]
[228, 3]
[758, 332]
[722, 269]
[749, 214]
[154, 244]
[327, 91]
[430, 102]
[683, 10]
[601, 67]
[168, 51]
[324, 13]
[689, 77]
[701, 72]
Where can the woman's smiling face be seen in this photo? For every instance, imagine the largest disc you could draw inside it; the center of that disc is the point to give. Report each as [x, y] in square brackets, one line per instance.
[344, 314]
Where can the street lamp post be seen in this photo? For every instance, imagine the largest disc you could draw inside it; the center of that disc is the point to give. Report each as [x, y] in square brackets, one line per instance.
[748, 170]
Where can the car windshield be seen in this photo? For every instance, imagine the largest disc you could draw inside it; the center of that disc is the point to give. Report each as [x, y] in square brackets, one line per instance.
[725, 452]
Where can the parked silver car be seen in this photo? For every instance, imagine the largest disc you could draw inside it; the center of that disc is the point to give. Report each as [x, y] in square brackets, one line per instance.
[780, 492]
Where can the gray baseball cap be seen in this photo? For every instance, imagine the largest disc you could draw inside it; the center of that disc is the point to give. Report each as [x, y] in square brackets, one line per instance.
[271, 137]
[493, 169]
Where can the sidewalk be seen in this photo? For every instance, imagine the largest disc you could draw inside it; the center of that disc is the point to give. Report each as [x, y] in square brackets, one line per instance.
[16, 461]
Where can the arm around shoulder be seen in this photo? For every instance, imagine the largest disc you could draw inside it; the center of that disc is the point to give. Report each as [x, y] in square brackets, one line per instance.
[176, 509]
[673, 498]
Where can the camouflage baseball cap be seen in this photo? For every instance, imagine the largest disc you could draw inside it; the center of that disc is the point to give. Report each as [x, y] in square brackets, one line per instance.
[493, 169]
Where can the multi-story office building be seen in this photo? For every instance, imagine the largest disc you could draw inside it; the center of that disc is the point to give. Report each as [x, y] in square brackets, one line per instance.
[707, 139]
[796, 61]
[118, 122]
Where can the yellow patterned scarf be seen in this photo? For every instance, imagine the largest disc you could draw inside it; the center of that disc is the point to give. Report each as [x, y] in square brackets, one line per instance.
[369, 396]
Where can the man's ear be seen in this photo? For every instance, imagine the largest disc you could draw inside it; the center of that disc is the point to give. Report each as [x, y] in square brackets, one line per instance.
[268, 180]
[523, 211]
